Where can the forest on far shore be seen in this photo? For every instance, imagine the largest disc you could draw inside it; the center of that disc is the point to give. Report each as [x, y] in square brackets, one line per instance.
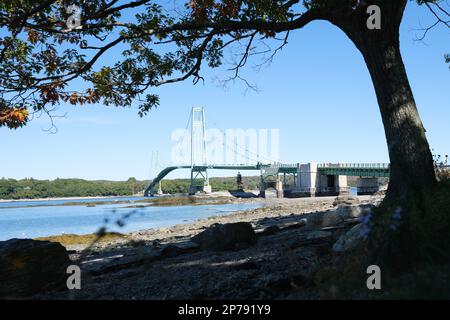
[32, 188]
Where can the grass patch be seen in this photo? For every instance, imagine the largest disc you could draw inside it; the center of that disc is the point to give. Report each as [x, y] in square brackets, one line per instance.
[72, 239]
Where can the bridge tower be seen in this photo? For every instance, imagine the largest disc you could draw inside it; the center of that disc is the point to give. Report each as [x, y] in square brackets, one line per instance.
[199, 174]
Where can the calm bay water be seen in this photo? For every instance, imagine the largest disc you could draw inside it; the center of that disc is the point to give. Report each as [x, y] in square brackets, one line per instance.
[20, 220]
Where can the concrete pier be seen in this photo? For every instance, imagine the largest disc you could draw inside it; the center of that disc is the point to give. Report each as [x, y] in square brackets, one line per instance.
[279, 188]
[203, 189]
[311, 182]
[367, 186]
[277, 185]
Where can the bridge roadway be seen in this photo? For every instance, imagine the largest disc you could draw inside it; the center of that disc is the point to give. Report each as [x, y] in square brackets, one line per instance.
[345, 169]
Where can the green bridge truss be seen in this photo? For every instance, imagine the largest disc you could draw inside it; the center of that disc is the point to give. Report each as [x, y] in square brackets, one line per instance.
[343, 169]
[356, 169]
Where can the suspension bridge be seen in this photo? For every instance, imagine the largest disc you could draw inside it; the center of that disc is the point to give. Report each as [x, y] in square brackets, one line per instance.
[309, 179]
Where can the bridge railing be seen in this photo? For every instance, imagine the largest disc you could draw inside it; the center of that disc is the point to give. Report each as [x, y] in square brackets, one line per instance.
[354, 165]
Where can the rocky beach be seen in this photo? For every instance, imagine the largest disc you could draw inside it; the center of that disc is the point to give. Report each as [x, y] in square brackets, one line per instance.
[265, 253]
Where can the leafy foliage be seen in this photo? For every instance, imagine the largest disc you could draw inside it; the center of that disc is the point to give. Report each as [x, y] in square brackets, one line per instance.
[441, 167]
[12, 117]
[42, 58]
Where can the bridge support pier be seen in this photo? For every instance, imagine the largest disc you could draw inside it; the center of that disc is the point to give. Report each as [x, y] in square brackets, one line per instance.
[199, 181]
[307, 182]
[311, 182]
[277, 185]
[279, 188]
[159, 192]
[194, 189]
[332, 185]
[367, 186]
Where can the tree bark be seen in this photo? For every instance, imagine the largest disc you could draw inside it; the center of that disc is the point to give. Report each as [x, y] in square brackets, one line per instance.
[411, 162]
[409, 152]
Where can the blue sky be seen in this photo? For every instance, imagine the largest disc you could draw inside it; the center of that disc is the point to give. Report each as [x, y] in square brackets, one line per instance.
[317, 92]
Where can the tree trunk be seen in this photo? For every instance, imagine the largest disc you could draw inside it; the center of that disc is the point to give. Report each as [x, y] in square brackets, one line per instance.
[409, 152]
[411, 169]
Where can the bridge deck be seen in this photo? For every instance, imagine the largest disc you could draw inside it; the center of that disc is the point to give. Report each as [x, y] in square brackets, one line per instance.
[345, 169]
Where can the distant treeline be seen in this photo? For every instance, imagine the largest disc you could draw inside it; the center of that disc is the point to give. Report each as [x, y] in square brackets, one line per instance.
[32, 188]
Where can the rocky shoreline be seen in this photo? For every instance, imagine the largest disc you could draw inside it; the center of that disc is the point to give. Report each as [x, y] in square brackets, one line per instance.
[263, 253]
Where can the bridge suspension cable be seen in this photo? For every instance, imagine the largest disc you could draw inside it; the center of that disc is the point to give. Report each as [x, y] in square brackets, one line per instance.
[258, 156]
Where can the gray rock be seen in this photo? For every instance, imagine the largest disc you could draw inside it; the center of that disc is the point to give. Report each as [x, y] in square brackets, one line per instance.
[347, 212]
[349, 240]
[293, 224]
[29, 267]
[176, 249]
[267, 231]
[345, 200]
[228, 236]
[331, 218]
[319, 235]
[117, 260]
[351, 212]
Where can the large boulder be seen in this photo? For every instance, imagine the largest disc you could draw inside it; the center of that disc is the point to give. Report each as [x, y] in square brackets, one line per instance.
[219, 237]
[28, 267]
